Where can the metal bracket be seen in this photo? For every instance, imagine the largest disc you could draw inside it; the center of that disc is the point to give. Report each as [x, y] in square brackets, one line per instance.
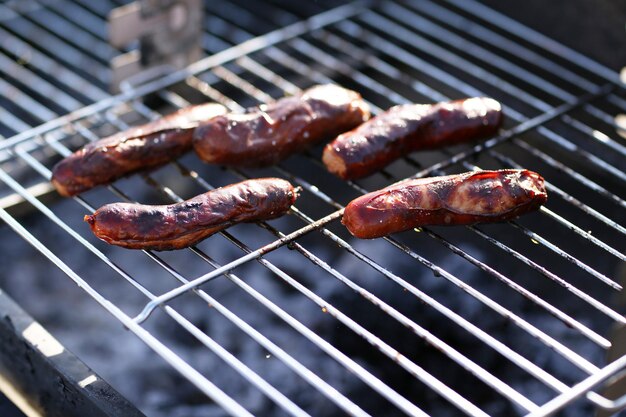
[168, 32]
[40, 376]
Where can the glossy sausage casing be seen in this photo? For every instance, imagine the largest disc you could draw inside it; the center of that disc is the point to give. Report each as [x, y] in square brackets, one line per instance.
[175, 226]
[407, 128]
[269, 133]
[472, 197]
[138, 148]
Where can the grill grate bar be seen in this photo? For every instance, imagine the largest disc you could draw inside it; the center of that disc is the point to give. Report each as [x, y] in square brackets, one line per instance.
[233, 79]
[611, 370]
[72, 81]
[268, 75]
[9, 119]
[569, 171]
[590, 132]
[46, 40]
[228, 33]
[544, 271]
[26, 77]
[280, 399]
[25, 102]
[89, 46]
[87, 19]
[587, 156]
[213, 94]
[100, 8]
[577, 203]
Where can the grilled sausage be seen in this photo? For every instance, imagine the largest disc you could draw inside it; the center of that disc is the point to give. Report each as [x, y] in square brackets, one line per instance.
[175, 226]
[138, 148]
[407, 128]
[271, 132]
[472, 197]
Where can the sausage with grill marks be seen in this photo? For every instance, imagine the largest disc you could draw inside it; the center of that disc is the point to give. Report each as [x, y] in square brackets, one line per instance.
[267, 134]
[175, 226]
[408, 128]
[138, 148]
[472, 197]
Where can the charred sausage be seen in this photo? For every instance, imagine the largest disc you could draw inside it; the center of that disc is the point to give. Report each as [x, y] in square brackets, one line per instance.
[175, 226]
[138, 148]
[472, 197]
[407, 128]
[271, 132]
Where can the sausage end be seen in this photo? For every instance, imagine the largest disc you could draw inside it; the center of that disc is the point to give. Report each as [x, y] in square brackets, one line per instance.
[333, 161]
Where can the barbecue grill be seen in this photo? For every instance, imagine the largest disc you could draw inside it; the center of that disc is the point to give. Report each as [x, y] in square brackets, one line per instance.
[293, 316]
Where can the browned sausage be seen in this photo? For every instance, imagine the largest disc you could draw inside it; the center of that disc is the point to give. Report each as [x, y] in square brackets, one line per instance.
[138, 148]
[472, 197]
[175, 226]
[266, 134]
[407, 128]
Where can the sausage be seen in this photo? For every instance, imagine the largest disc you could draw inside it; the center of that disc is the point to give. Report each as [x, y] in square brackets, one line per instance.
[176, 226]
[468, 198]
[408, 128]
[138, 148]
[267, 134]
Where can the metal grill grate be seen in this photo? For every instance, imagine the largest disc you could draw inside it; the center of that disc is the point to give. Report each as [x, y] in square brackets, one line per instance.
[546, 278]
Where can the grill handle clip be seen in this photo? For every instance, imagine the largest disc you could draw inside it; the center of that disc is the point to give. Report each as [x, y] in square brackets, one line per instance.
[163, 33]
